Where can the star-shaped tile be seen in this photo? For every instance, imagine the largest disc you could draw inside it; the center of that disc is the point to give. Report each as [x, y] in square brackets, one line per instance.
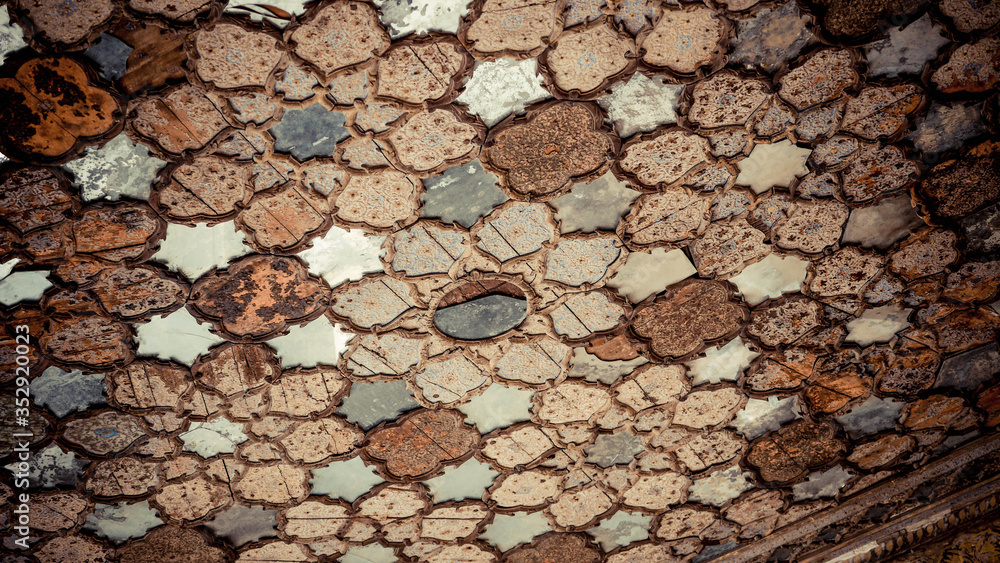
[343, 255]
[119, 168]
[65, 392]
[52, 467]
[621, 529]
[906, 50]
[649, 273]
[507, 531]
[11, 35]
[209, 439]
[641, 104]
[122, 521]
[370, 403]
[721, 363]
[877, 325]
[24, 285]
[498, 407]
[195, 250]
[421, 16]
[594, 205]
[371, 553]
[613, 449]
[312, 131]
[720, 486]
[177, 336]
[239, 524]
[759, 416]
[502, 87]
[469, 480]
[821, 484]
[461, 194]
[873, 415]
[298, 347]
[770, 278]
[344, 479]
[776, 164]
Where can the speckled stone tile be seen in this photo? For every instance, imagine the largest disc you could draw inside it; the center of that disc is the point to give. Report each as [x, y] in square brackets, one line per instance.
[512, 27]
[684, 41]
[231, 57]
[340, 35]
[687, 315]
[582, 61]
[184, 119]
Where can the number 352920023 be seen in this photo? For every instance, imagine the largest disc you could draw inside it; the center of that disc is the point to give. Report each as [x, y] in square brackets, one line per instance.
[21, 371]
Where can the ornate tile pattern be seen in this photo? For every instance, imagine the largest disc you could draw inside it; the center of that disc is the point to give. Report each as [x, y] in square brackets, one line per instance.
[588, 281]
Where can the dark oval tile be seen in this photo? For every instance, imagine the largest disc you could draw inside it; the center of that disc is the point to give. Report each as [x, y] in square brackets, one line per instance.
[481, 317]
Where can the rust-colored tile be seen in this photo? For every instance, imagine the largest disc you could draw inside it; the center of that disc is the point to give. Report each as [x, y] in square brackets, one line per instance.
[784, 455]
[543, 155]
[259, 295]
[686, 317]
[421, 442]
[49, 106]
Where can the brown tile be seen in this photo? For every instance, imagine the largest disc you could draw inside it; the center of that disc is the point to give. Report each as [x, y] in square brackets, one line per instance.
[305, 392]
[954, 76]
[117, 232]
[687, 316]
[315, 441]
[340, 35]
[192, 499]
[684, 41]
[957, 187]
[783, 322]
[49, 106]
[92, 340]
[422, 71]
[182, 119]
[173, 543]
[585, 59]
[259, 296]
[284, 220]
[822, 77]
[881, 452]
[380, 200]
[511, 26]
[139, 292]
[123, 476]
[420, 442]
[236, 368]
[829, 393]
[434, 140]
[936, 411]
[232, 57]
[788, 453]
[142, 385]
[274, 484]
[74, 549]
[103, 434]
[206, 187]
[31, 198]
[556, 548]
[726, 99]
[554, 147]
[726, 248]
